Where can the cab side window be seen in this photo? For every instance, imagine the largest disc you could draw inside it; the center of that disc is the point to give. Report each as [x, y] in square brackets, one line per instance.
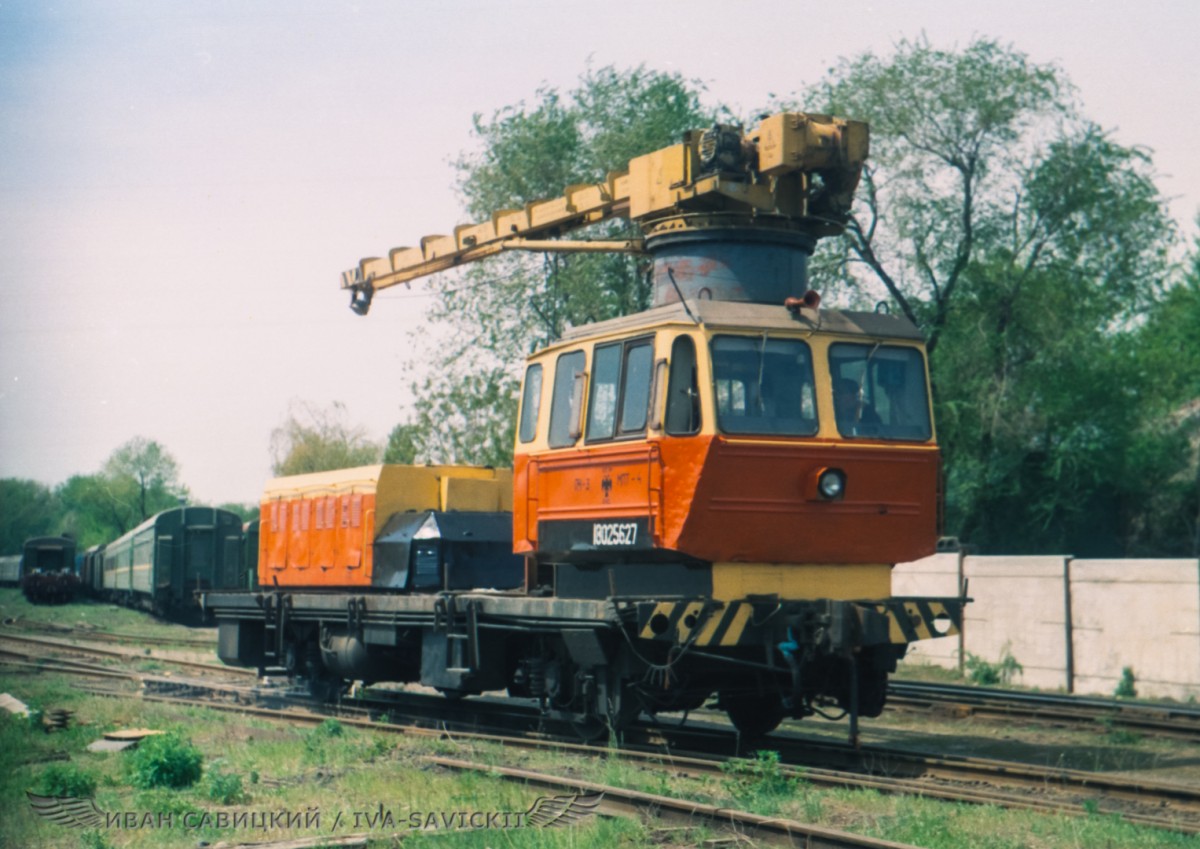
[531, 402]
[683, 390]
[635, 392]
[602, 406]
[564, 410]
[620, 393]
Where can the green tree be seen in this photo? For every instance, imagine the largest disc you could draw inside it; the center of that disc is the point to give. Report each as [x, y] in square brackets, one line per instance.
[1024, 242]
[317, 439]
[140, 478]
[27, 509]
[489, 317]
[951, 132]
[144, 475]
[1038, 409]
[1164, 357]
[94, 510]
[247, 511]
[402, 445]
[1169, 349]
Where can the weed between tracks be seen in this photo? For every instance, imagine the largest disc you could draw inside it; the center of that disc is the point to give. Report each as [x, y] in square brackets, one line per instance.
[379, 784]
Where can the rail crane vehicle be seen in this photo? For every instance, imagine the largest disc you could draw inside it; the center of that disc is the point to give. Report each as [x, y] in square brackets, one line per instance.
[707, 498]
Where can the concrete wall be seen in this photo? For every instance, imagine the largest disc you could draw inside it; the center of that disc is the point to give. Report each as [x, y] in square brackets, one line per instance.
[1141, 614]
[1019, 609]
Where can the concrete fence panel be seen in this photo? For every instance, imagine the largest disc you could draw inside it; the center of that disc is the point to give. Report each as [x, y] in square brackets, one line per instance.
[1138, 614]
[1020, 610]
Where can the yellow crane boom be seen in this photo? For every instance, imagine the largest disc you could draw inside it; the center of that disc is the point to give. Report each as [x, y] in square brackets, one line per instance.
[795, 172]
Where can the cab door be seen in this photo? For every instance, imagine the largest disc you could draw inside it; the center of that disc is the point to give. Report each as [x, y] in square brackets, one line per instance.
[605, 494]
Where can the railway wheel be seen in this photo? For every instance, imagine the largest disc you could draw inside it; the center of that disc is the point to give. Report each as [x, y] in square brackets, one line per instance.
[326, 687]
[752, 715]
[609, 709]
[624, 706]
[323, 685]
[872, 669]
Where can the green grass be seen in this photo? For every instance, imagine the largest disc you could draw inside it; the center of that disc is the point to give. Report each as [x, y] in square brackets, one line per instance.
[372, 772]
[65, 779]
[165, 760]
[335, 768]
[355, 773]
[925, 672]
[760, 784]
[253, 765]
[93, 615]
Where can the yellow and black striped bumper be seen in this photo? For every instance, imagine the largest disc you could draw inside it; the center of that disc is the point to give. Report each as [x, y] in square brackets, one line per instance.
[914, 619]
[701, 623]
[749, 623]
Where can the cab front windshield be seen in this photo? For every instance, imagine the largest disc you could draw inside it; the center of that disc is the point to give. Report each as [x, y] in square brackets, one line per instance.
[764, 386]
[879, 392]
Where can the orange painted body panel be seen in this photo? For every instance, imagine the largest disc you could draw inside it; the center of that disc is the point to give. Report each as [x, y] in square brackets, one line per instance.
[612, 481]
[524, 505]
[726, 499]
[755, 501]
[322, 541]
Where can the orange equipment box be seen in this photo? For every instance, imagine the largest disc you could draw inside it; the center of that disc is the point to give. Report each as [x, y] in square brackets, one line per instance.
[318, 530]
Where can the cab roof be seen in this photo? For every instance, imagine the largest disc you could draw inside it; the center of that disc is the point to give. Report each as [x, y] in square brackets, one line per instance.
[742, 316]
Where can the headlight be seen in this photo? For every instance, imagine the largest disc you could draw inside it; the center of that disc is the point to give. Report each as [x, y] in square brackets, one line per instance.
[832, 484]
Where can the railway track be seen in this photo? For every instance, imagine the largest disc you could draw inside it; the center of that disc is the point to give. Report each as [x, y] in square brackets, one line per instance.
[774, 830]
[1173, 721]
[41, 648]
[96, 635]
[985, 781]
[616, 800]
[704, 752]
[696, 749]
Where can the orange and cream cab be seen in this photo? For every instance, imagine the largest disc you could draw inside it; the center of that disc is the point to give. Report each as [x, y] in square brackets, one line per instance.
[776, 446]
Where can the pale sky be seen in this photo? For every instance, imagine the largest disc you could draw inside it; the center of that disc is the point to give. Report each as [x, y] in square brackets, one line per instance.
[181, 184]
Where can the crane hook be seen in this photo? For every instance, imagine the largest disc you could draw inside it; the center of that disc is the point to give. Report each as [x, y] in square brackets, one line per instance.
[360, 297]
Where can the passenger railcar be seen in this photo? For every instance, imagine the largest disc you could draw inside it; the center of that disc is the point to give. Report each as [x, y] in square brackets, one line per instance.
[48, 554]
[91, 572]
[162, 563]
